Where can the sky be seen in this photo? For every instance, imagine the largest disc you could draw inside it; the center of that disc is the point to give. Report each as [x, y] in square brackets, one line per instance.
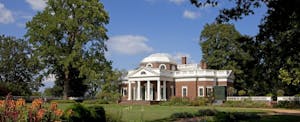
[138, 28]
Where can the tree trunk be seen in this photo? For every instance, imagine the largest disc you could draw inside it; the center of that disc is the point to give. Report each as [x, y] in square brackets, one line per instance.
[66, 86]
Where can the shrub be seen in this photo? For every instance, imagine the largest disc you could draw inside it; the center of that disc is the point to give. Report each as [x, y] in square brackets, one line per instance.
[242, 92]
[177, 101]
[182, 115]
[63, 101]
[95, 101]
[246, 104]
[288, 104]
[235, 117]
[206, 112]
[79, 113]
[280, 92]
[97, 113]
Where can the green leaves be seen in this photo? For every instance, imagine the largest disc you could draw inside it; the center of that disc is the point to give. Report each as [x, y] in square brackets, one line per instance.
[68, 36]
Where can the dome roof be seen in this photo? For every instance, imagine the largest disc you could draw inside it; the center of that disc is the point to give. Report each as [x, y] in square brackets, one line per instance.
[159, 57]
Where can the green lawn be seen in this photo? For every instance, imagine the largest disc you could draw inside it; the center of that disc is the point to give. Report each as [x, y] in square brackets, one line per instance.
[138, 113]
[155, 112]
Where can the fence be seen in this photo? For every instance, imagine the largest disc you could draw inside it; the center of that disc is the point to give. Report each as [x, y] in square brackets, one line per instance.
[252, 98]
[288, 98]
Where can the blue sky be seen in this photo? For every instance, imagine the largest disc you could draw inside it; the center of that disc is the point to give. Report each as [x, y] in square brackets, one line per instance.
[139, 28]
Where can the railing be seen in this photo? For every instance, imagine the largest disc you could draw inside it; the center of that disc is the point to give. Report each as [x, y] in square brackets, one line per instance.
[252, 98]
[288, 98]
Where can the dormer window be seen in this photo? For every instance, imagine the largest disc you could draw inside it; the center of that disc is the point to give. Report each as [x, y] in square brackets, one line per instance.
[149, 65]
[143, 73]
[162, 67]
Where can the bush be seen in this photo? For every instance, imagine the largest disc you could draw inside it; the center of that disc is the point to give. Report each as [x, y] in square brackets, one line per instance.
[182, 115]
[288, 104]
[80, 113]
[179, 101]
[97, 113]
[63, 101]
[246, 104]
[95, 101]
[206, 112]
[242, 92]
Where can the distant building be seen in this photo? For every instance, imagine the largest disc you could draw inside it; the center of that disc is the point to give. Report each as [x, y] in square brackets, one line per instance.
[159, 77]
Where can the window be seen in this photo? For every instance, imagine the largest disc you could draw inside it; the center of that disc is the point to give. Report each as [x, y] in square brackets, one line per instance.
[124, 91]
[209, 91]
[162, 66]
[149, 65]
[184, 91]
[200, 91]
[143, 73]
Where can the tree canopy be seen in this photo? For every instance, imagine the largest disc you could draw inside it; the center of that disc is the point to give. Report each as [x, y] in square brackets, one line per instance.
[17, 67]
[276, 45]
[69, 39]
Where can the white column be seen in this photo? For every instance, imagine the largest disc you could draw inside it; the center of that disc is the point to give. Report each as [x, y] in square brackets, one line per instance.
[148, 90]
[164, 90]
[138, 90]
[129, 90]
[158, 90]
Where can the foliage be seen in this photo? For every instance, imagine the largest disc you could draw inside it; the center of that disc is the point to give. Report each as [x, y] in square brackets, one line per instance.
[17, 67]
[16, 110]
[177, 101]
[280, 92]
[69, 37]
[242, 92]
[110, 89]
[235, 117]
[247, 103]
[95, 101]
[287, 104]
[63, 101]
[206, 112]
[80, 113]
[182, 115]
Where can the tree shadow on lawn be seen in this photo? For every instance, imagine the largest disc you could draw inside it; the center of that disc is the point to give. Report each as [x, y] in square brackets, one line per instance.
[231, 117]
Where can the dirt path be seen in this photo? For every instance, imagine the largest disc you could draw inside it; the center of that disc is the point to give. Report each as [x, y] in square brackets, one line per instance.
[276, 111]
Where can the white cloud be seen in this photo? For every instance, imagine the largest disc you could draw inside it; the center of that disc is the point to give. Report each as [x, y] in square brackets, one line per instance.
[129, 44]
[178, 2]
[190, 14]
[6, 16]
[37, 4]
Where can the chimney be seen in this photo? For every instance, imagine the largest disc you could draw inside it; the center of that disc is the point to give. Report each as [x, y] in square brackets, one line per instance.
[183, 60]
[203, 64]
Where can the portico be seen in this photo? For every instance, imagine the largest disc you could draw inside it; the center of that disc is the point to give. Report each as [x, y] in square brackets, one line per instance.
[150, 90]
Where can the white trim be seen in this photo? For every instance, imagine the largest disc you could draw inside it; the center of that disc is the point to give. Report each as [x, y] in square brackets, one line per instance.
[200, 87]
[184, 87]
[149, 65]
[185, 79]
[162, 65]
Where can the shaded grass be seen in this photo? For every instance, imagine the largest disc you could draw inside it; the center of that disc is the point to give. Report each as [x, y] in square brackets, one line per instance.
[157, 112]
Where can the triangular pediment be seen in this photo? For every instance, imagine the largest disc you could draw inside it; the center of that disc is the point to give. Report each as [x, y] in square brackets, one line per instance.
[143, 72]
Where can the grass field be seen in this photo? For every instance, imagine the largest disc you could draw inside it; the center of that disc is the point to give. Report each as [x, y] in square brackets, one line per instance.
[138, 113]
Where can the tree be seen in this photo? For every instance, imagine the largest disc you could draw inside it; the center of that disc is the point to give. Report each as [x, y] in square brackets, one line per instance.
[223, 47]
[17, 67]
[69, 39]
[110, 90]
[277, 42]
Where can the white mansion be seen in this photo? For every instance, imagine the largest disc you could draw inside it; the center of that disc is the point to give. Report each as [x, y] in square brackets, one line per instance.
[159, 77]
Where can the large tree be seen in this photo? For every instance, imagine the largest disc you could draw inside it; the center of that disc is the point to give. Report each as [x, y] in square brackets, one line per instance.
[277, 42]
[17, 67]
[223, 47]
[69, 39]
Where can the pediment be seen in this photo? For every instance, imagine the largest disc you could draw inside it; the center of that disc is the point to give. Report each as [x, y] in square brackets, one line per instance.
[143, 72]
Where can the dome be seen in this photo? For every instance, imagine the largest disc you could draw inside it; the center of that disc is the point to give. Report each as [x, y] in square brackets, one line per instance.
[159, 57]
